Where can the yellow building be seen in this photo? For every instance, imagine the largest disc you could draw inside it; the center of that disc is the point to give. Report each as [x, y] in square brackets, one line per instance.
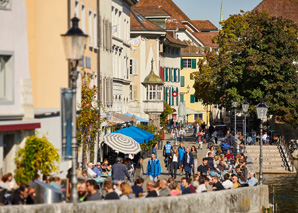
[195, 109]
[46, 21]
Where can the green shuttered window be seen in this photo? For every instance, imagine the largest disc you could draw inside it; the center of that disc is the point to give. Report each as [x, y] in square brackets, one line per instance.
[181, 98]
[193, 64]
[192, 98]
[182, 82]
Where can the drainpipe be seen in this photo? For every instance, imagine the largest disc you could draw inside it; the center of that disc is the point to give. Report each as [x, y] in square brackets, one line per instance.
[68, 27]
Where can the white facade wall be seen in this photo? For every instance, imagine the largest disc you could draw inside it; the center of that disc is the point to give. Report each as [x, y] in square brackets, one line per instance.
[14, 43]
[121, 55]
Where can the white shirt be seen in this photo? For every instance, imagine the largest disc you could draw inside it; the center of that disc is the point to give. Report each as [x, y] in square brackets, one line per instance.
[91, 173]
[201, 188]
[182, 132]
[227, 184]
[175, 158]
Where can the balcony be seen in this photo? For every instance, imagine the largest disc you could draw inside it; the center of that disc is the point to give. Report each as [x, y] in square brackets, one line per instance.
[153, 106]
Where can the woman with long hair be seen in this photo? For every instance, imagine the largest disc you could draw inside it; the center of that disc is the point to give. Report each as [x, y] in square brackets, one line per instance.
[5, 180]
[127, 192]
[195, 159]
[175, 164]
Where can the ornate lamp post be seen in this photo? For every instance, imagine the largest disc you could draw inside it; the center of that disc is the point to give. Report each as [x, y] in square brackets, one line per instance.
[74, 42]
[245, 106]
[262, 109]
[235, 105]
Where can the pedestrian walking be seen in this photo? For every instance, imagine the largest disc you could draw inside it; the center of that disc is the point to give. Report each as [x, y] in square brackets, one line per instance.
[119, 171]
[175, 163]
[181, 151]
[195, 155]
[153, 168]
[187, 162]
[182, 134]
[174, 135]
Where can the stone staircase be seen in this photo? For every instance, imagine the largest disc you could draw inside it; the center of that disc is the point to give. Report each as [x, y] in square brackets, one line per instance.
[272, 161]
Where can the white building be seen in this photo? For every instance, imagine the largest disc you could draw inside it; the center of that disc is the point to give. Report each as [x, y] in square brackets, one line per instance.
[16, 106]
[121, 53]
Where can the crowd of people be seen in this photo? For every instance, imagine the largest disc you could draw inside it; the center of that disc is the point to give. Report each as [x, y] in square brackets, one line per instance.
[220, 169]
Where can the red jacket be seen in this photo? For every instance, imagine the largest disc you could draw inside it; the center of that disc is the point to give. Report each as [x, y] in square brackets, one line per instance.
[229, 156]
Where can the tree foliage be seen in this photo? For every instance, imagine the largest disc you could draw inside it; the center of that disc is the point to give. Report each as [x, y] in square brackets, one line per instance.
[255, 59]
[38, 155]
[88, 121]
[167, 111]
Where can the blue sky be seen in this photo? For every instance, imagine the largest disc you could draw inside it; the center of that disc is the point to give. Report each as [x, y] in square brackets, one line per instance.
[210, 9]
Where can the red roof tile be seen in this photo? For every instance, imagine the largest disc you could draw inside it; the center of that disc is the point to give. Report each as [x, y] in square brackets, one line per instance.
[137, 24]
[151, 11]
[286, 9]
[204, 25]
[206, 38]
[169, 37]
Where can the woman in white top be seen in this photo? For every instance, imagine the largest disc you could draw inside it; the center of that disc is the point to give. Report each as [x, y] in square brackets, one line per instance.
[182, 134]
[202, 187]
[174, 164]
[5, 180]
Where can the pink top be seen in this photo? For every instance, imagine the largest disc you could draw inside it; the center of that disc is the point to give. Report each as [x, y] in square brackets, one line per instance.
[174, 193]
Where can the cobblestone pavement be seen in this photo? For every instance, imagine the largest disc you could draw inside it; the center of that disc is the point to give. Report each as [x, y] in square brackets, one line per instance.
[189, 142]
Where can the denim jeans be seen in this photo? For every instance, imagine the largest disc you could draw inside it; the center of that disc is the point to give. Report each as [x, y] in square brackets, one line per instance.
[182, 138]
[153, 178]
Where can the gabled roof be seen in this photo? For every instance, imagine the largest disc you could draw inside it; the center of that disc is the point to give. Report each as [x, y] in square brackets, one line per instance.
[151, 11]
[176, 13]
[204, 25]
[172, 40]
[171, 25]
[286, 9]
[206, 38]
[140, 23]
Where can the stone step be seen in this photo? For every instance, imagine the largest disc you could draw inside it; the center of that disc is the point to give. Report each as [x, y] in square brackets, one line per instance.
[264, 150]
[276, 160]
[271, 155]
[271, 168]
[258, 147]
[273, 171]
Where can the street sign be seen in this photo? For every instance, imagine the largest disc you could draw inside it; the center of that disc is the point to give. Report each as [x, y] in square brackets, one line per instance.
[174, 93]
[174, 117]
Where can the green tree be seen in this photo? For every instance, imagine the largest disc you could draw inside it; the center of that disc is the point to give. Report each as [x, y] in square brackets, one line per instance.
[255, 59]
[164, 115]
[88, 121]
[38, 155]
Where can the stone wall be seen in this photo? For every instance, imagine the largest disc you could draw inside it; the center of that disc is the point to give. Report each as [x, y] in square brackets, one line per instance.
[249, 199]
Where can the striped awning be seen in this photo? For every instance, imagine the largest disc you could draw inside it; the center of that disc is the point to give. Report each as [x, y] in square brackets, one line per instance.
[122, 143]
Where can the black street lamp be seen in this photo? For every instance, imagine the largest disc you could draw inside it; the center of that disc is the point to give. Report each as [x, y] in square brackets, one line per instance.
[262, 109]
[245, 107]
[74, 42]
[235, 105]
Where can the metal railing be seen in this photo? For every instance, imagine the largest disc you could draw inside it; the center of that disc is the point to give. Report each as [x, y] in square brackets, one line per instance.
[285, 154]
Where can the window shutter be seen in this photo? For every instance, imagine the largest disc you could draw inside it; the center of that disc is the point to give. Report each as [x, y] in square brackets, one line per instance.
[100, 36]
[182, 81]
[192, 98]
[177, 97]
[111, 91]
[135, 92]
[181, 98]
[175, 77]
[193, 63]
[170, 96]
[181, 63]
[167, 76]
[165, 94]
[170, 74]
[173, 99]
[135, 67]
[178, 74]
[110, 36]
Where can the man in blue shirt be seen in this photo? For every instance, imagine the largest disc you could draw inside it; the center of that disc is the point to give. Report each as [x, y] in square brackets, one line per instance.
[181, 151]
[97, 169]
[153, 168]
[167, 152]
[119, 171]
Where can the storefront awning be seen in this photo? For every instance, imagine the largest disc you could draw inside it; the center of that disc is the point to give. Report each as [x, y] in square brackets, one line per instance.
[191, 112]
[149, 135]
[8, 126]
[134, 135]
[138, 118]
